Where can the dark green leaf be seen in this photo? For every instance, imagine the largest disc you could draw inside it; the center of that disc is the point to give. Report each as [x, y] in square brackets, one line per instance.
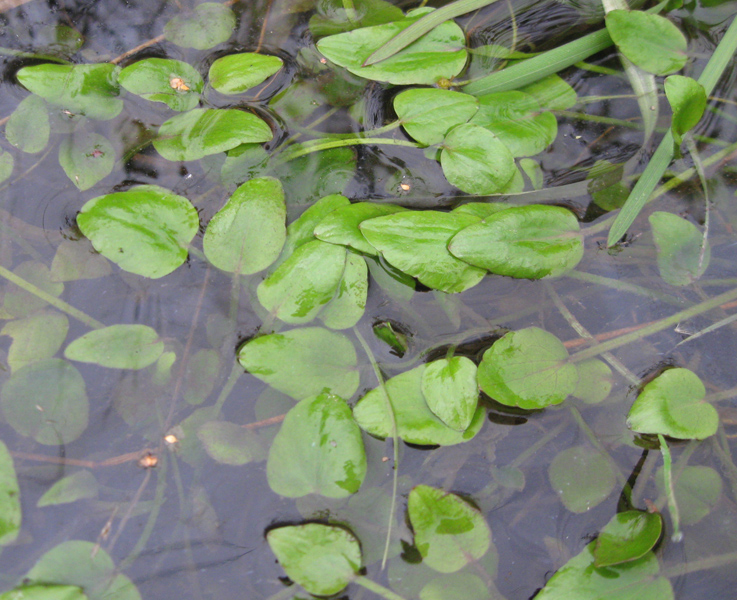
[582, 477]
[428, 113]
[28, 126]
[47, 401]
[10, 508]
[229, 443]
[204, 131]
[528, 368]
[450, 390]
[318, 450]
[323, 559]
[628, 536]
[86, 158]
[476, 161]
[117, 347]
[390, 334]
[673, 404]
[89, 90]
[303, 362]
[145, 230]
[77, 486]
[247, 234]
[236, 73]
[173, 82]
[208, 25]
[449, 532]
[683, 251]
[527, 242]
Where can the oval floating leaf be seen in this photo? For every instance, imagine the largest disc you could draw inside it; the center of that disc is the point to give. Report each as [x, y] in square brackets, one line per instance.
[230, 444]
[528, 368]
[416, 424]
[526, 242]
[208, 25]
[687, 99]
[28, 127]
[683, 251]
[47, 401]
[582, 477]
[173, 82]
[10, 508]
[145, 230]
[303, 362]
[304, 283]
[77, 486]
[318, 450]
[440, 53]
[117, 347]
[89, 90]
[449, 532]
[349, 303]
[652, 42]
[204, 131]
[323, 559]
[236, 73]
[416, 243]
[475, 160]
[628, 536]
[580, 579]
[450, 390]
[86, 158]
[247, 234]
[428, 113]
[35, 338]
[673, 404]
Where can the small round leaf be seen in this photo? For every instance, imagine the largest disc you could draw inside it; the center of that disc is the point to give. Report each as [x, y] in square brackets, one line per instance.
[582, 478]
[236, 73]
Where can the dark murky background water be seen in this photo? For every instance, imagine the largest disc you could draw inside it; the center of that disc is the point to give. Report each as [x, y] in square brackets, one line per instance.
[208, 540]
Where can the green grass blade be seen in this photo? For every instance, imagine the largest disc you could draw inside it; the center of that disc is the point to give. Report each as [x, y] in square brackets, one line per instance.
[664, 154]
[422, 26]
[535, 68]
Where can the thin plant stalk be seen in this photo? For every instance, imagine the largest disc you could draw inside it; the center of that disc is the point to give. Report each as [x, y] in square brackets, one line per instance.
[669, 491]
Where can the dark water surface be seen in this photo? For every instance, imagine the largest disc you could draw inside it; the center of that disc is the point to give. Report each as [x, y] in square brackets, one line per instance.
[194, 528]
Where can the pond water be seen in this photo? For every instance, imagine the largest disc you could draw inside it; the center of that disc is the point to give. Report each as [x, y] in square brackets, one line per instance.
[141, 454]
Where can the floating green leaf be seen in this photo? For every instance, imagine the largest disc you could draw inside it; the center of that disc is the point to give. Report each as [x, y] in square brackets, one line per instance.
[341, 226]
[44, 592]
[204, 131]
[28, 126]
[10, 508]
[450, 390]
[687, 99]
[580, 579]
[628, 536]
[318, 450]
[428, 113]
[650, 41]
[349, 303]
[528, 368]
[77, 486]
[527, 242]
[475, 160]
[173, 82]
[683, 251]
[673, 404]
[323, 559]
[518, 121]
[416, 243]
[449, 532]
[208, 25]
[36, 337]
[304, 283]
[86, 565]
[247, 234]
[229, 443]
[303, 362]
[335, 16]
[416, 424]
[581, 477]
[145, 230]
[594, 381]
[439, 54]
[117, 347]
[697, 490]
[86, 158]
[89, 90]
[236, 73]
[47, 401]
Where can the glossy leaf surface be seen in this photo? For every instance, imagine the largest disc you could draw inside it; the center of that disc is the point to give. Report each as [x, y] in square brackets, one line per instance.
[303, 362]
[145, 230]
[318, 450]
[628, 536]
[687, 99]
[323, 559]
[208, 25]
[683, 251]
[673, 404]
[236, 73]
[342, 225]
[173, 82]
[428, 113]
[581, 477]
[117, 347]
[451, 391]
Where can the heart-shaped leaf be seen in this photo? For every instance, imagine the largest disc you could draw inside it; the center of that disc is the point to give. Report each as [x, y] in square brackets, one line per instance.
[687, 99]
[683, 251]
[673, 404]
[173, 82]
[236, 73]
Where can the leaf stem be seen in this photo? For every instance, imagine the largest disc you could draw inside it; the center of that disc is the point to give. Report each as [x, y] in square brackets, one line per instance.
[669, 491]
[308, 148]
